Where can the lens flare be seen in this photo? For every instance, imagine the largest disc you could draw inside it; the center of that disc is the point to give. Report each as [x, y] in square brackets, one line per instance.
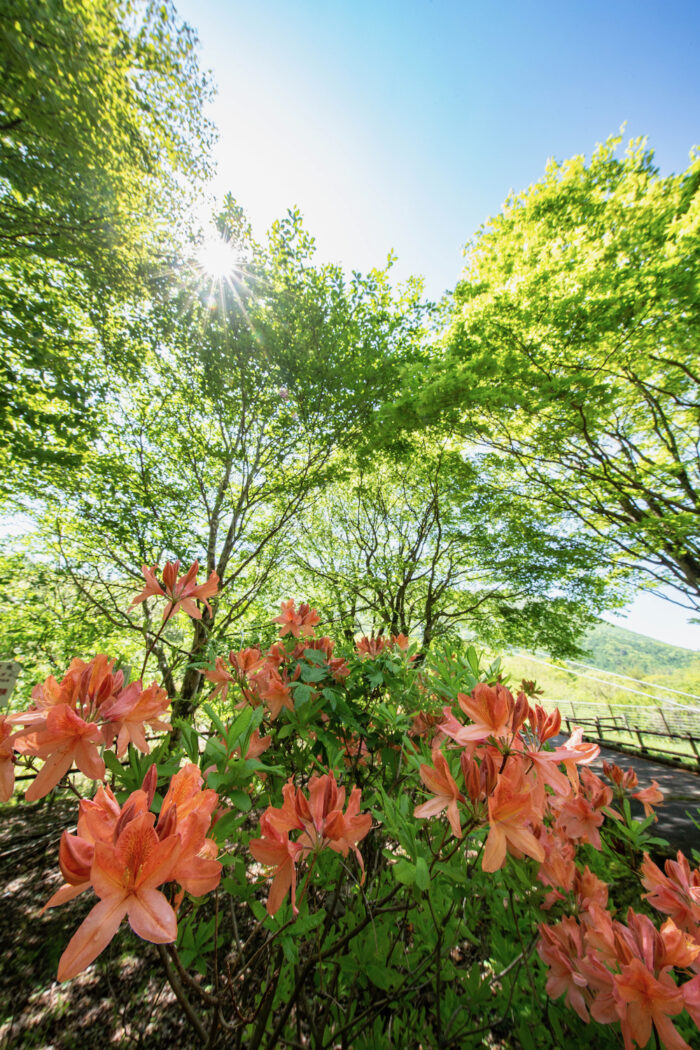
[217, 259]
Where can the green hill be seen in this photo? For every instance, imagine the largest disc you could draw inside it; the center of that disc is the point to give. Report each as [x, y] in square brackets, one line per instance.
[615, 648]
[623, 652]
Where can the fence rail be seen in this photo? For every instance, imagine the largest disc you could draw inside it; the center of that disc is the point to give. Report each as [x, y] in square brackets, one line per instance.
[643, 729]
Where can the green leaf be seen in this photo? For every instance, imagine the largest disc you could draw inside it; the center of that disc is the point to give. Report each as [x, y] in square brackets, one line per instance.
[422, 874]
[404, 872]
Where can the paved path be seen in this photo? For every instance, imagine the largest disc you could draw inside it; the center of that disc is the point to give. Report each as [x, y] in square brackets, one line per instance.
[681, 793]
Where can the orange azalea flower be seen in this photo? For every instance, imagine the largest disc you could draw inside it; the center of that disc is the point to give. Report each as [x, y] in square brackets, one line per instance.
[578, 820]
[285, 818]
[275, 851]
[125, 876]
[428, 727]
[480, 778]
[322, 823]
[195, 867]
[589, 889]
[297, 622]
[185, 793]
[221, 677]
[124, 858]
[624, 779]
[649, 797]
[440, 781]
[257, 745]
[677, 893]
[323, 645]
[491, 709]
[678, 948]
[642, 999]
[61, 726]
[325, 800]
[85, 688]
[246, 661]
[98, 821]
[65, 738]
[180, 591]
[371, 646]
[510, 813]
[544, 724]
[7, 766]
[273, 690]
[561, 947]
[344, 830]
[131, 711]
[558, 869]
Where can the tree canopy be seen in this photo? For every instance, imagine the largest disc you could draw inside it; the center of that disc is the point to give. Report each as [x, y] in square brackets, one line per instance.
[427, 545]
[250, 393]
[571, 353]
[103, 145]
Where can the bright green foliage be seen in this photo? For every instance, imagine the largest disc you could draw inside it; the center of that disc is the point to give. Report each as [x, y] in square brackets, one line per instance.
[248, 389]
[425, 944]
[572, 353]
[102, 143]
[46, 618]
[425, 543]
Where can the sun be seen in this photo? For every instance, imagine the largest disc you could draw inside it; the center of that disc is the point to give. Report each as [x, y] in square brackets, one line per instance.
[217, 259]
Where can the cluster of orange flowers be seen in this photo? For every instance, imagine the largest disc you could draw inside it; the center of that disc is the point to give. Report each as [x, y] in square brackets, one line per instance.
[71, 720]
[322, 823]
[124, 855]
[505, 771]
[179, 592]
[375, 644]
[534, 801]
[617, 972]
[267, 678]
[609, 970]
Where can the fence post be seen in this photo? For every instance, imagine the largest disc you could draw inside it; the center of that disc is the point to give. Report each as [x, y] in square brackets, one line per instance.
[663, 719]
[641, 742]
[694, 746]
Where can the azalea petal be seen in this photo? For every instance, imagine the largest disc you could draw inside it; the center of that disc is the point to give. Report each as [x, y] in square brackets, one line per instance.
[88, 761]
[51, 772]
[152, 917]
[494, 850]
[200, 876]
[524, 840]
[65, 893]
[283, 880]
[7, 779]
[453, 817]
[159, 865]
[432, 807]
[107, 872]
[92, 936]
[267, 852]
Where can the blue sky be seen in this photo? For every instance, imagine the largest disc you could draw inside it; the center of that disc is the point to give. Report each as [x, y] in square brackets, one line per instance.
[403, 125]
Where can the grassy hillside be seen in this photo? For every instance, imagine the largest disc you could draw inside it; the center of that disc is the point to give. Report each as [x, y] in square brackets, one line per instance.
[621, 651]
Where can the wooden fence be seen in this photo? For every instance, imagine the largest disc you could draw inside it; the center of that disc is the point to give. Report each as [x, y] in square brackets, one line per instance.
[671, 732]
